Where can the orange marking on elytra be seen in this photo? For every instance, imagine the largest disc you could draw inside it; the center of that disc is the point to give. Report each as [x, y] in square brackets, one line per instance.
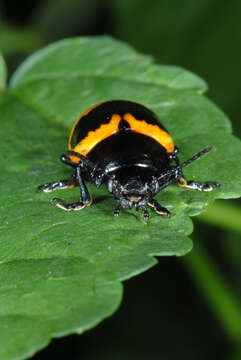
[96, 136]
[86, 112]
[153, 131]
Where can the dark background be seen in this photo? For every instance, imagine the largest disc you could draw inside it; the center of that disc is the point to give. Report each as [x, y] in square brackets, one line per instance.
[166, 312]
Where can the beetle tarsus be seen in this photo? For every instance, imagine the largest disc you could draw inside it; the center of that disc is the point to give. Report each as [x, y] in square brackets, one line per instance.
[146, 215]
[56, 185]
[68, 207]
[158, 208]
[117, 211]
[206, 186]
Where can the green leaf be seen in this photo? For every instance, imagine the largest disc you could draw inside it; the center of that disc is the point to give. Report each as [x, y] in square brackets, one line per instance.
[16, 39]
[115, 59]
[61, 272]
[3, 73]
[172, 35]
[57, 18]
[164, 23]
[224, 215]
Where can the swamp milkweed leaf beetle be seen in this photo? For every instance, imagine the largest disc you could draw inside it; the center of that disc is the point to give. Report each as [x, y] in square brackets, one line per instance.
[122, 144]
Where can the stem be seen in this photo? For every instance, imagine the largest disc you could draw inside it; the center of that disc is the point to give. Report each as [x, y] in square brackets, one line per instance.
[223, 214]
[216, 291]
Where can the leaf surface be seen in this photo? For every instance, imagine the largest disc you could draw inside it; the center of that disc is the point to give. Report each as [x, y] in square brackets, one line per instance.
[61, 272]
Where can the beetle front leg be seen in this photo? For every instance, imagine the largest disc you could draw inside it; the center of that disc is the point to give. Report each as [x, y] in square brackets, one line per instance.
[86, 199]
[57, 185]
[158, 208]
[206, 186]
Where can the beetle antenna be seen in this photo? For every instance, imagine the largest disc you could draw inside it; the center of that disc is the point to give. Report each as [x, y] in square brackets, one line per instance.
[198, 155]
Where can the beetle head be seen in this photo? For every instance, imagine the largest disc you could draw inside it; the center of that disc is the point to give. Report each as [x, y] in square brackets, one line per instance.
[133, 187]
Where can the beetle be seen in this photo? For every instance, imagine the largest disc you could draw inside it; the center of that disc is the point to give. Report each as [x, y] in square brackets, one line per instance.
[123, 145]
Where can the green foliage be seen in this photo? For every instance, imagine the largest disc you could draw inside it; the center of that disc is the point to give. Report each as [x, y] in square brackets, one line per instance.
[202, 35]
[56, 18]
[217, 291]
[103, 59]
[60, 272]
[14, 39]
[3, 73]
[224, 215]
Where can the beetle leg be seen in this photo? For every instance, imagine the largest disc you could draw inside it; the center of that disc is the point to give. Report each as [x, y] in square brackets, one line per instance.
[83, 161]
[117, 211]
[66, 160]
[206, 186]
[158, 208]
[57, 185]
[146, 215]
[86, 199]
[79, 205]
